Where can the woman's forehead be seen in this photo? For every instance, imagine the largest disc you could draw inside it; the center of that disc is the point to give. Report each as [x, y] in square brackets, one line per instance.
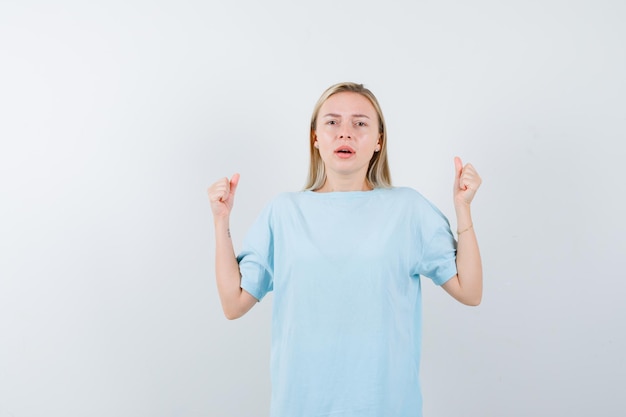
[347, 103]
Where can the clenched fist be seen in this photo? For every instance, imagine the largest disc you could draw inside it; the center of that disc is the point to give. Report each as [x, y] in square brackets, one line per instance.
[222, 196]
[466, 182]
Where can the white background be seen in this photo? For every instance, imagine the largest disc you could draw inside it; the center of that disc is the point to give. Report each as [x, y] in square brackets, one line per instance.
[115, 116]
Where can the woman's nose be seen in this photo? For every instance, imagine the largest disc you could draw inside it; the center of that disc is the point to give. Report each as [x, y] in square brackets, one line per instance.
[345, 133]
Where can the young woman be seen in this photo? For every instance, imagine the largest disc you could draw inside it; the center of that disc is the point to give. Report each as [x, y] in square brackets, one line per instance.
[344, 259]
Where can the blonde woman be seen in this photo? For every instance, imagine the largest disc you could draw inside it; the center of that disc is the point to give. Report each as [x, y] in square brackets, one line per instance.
[344, 258]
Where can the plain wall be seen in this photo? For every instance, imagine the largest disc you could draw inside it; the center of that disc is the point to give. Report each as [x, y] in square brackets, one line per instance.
[115, 116]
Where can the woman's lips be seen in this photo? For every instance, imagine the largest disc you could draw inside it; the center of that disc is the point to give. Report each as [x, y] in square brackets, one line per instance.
[344, 152]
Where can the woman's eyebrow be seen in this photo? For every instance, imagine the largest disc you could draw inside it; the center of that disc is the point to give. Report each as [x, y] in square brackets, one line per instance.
[338, 115]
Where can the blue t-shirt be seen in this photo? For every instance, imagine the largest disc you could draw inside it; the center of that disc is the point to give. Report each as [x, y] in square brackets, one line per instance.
[345, 269]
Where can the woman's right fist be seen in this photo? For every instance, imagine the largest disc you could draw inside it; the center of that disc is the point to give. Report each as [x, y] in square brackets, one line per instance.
[222, 195]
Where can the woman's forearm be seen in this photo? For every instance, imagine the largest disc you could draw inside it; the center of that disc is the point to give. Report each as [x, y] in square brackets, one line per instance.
[469, 265]
[227, 273]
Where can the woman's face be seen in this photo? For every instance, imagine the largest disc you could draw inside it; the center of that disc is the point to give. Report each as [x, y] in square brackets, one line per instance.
[347, 134]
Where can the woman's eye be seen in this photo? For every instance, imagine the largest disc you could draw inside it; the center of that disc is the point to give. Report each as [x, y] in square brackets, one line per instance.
[361, 124]
[331, 122]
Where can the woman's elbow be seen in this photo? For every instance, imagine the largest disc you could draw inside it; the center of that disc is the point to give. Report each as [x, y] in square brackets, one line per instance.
[472, 301]
[232, 314]
[239, 306]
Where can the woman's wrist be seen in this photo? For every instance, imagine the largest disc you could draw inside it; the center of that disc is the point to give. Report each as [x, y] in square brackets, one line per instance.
[463, 218]
[461, 231]
[221, 223]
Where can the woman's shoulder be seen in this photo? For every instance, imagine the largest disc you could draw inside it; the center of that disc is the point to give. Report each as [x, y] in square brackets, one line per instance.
[287, 197]
[405, 193]
[284, 200]
[412, 198]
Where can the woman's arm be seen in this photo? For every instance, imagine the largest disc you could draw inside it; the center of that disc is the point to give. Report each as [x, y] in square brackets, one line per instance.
[235, 301]
[467, 285]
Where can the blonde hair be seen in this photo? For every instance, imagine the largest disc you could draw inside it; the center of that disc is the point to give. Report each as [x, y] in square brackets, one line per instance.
[378, 175]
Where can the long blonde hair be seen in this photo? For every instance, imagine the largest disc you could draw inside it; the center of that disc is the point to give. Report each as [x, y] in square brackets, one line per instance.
[378, 175]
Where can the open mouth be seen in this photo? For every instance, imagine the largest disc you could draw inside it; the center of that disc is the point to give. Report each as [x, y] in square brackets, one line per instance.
[344, 151]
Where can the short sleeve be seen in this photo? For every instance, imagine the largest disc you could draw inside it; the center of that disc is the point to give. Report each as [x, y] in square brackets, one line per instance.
[438, 251]
[256, 260]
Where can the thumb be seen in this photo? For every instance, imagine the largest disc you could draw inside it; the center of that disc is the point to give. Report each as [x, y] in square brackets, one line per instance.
[234, 181]
[458, 169]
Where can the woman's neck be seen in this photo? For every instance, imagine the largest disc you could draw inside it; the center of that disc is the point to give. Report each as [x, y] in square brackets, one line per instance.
[343, 185]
